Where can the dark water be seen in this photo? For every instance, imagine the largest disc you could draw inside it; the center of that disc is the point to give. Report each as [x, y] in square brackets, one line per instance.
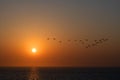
[59, 73]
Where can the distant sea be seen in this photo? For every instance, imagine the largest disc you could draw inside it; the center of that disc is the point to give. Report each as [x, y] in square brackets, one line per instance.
[27, 73]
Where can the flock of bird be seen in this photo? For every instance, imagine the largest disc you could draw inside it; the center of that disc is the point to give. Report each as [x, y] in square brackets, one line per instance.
[97, 42]
[84, 42]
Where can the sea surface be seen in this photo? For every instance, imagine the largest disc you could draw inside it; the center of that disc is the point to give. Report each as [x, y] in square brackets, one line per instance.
[27, 73]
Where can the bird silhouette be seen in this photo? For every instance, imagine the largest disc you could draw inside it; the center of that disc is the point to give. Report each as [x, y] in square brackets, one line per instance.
[95, 40]
[83, 42]
[86, 39]
[100, 40]
[80, 40]
[75, 40]
[68, 40]
[88, 46]
[60, 41]
[93, 44]
[48, 38]
[106, 39]
[54, 38]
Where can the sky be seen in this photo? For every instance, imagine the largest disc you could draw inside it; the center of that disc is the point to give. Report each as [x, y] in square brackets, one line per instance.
[26, 24]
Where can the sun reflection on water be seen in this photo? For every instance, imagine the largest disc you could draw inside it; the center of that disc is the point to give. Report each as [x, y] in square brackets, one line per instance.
[34, 74]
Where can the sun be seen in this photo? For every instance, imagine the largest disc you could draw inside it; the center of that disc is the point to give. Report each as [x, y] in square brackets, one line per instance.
[34, 50]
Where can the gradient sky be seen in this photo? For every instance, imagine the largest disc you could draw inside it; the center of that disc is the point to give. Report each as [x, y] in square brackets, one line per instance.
[26, 24]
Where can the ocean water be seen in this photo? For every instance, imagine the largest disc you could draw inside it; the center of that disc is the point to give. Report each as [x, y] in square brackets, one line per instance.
[26, 73]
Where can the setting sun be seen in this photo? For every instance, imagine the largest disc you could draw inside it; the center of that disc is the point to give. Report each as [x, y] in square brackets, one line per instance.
[34, 50]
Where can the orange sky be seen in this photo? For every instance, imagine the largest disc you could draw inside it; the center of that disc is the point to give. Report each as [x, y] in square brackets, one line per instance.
[27, 25]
